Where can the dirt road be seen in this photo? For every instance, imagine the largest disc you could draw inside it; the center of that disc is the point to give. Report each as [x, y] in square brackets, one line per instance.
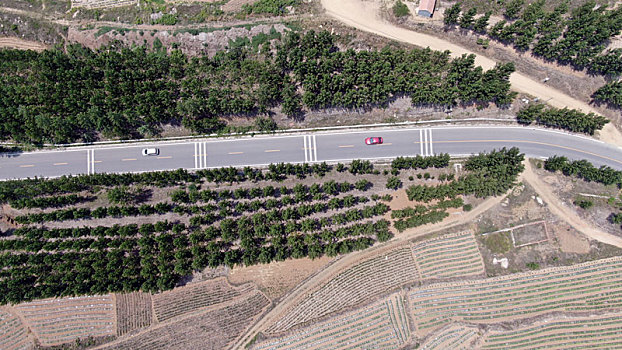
[354, 258]
[16, 43]
[365, 15]
[567, 214]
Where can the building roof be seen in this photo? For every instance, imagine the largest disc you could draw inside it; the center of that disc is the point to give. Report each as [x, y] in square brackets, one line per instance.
[427, 5]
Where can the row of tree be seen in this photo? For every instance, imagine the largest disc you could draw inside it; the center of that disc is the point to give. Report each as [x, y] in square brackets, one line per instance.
[584, 170]
[567, 119]
[80, 94]
[489, 174]
[14, 190]
[578, 39]
[419, 162]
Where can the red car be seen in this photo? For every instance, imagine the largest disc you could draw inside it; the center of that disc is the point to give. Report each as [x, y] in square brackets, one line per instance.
[373, 140]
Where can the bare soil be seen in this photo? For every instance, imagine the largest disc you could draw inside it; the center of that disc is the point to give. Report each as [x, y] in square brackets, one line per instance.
[16, 43]
[278, 277]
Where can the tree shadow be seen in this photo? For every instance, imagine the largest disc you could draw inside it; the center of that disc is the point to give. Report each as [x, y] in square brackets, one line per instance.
[10, 152]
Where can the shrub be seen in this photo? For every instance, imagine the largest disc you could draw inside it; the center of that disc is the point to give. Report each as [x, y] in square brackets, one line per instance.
[394, 183]
[584, 204]
[400, 9]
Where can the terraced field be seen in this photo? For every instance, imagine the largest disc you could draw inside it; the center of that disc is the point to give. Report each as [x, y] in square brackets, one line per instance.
[352, 287]
[597, 332]
[382, 325]
[214, 328]
[13, 335]
[134, 311]
[452, 337]
[583, 287]
[58, 321]
[449, 256]
[178, 301]
[95, 4]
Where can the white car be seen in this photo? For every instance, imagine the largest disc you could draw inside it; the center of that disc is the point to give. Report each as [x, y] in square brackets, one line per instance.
[151, 151]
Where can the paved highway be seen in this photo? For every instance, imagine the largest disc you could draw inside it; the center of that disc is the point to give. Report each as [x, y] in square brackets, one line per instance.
[316, 147]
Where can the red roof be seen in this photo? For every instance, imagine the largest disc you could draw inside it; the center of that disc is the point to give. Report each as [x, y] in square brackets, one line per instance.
[427, 5]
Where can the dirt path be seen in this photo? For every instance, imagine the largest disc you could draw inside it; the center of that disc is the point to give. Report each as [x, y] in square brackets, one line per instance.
[16, 43]
[556, 206]
[355, 258]
[365, 15]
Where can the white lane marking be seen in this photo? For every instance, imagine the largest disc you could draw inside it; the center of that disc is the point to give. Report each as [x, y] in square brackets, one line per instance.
[310, 143]
[196, 155]
[431, 151]
[165, 157]
[88, 161]
[272, 150]
[314, 148]
[346, 146]
[61, 163]
[204, 154]
[128, 159]
[26, 166]
[236, 152]
[425, 140]
[421, 141]
[304, 147]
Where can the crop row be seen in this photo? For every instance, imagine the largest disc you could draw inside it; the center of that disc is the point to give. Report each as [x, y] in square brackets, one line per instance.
[211, 329]
[583, 287]
[451, 337]
[134, 311]
[380, 325]
[333, 188]
[224, 208]
[176, 302]
[596, 331]
[155, 263]
[353, 286]
[448, 256]
[58, 321]
[13, 334]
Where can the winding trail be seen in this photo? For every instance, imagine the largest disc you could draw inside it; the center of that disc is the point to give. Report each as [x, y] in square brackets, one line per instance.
[365, 16]
[567, 214]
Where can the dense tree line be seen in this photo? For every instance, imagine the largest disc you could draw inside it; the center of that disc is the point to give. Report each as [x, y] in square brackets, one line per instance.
[419, 162]
[420, 214]
[490, 174]
[610, 93]
[49, 202]
[577, 39]
[567, 119]
[84, 95]
[584, 170]
[14, 190]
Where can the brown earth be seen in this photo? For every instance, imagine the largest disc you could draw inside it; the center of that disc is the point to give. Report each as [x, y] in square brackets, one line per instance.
[277, 278]
[15, 43]
[569, 215]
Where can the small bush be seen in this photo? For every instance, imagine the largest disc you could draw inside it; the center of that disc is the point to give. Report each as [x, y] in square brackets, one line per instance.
[400, 9]
[533, 265]
[394, 183]
[584, 204]
[467, 207]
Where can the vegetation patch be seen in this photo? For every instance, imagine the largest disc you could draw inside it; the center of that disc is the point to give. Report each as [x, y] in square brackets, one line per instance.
[131, 93]
[498, 243]
[567, 119]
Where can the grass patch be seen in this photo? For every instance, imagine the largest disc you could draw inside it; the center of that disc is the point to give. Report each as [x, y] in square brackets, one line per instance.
[498, 242]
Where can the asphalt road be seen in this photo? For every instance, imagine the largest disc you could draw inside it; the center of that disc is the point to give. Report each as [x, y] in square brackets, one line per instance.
[317, 147]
